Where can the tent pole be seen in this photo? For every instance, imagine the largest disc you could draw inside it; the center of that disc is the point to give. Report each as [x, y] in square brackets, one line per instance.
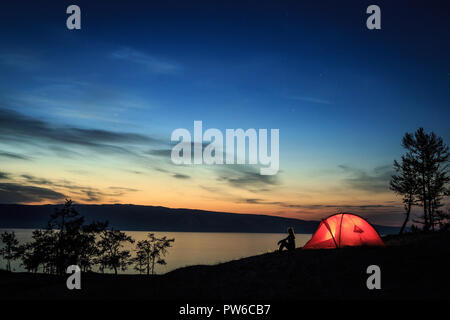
[340, 229]
[329, 229]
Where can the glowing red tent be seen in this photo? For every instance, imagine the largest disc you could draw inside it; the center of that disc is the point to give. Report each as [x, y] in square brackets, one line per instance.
[342, 230]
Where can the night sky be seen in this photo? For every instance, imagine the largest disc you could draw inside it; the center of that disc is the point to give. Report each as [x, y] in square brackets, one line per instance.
[88, 114]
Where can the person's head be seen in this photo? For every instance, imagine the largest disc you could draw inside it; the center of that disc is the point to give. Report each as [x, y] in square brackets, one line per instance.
[290, 231]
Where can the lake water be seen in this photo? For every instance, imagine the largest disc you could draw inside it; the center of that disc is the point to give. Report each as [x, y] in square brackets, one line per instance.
[193, 248]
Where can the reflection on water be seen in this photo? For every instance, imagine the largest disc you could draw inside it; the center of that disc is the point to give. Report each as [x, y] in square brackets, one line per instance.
[192, 248]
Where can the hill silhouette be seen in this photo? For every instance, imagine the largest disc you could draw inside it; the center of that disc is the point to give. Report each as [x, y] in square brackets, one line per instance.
[146, 218]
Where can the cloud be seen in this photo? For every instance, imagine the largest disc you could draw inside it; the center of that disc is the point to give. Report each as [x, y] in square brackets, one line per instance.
[16, 193]
[174, 174]
[276, 203]
[63, 152]
[4, 175]
[15, 127]
[96, 195]
[13, 156]
[38, 181]
[165, 153]
[152, 63]
[386, 214]
[19, 61]
[105, 136]
[89, 194]
[92, 196]
[341, 207]
[344, 207]
[246, 177]
[84, 193]
[79, 100]
[210, 189]
[376, 180]
[181, 176]
[242, 176]
[253, 201]
[311, 99]
[53, 183]
[123, 189]
[133, 171]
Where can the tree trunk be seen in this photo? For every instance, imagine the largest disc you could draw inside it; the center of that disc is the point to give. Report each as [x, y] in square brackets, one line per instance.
[153, 266]
[424, 199]
[406, 219]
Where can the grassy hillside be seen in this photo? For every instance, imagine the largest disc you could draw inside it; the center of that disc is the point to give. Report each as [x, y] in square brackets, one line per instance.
[412, 266]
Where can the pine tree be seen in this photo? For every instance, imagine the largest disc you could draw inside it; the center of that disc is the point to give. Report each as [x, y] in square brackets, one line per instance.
[151, 251]
[428, 156]
[404, 183]
[10, 250]
[111, 252]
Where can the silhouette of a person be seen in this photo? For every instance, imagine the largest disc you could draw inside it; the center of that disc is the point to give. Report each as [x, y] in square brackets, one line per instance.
[288, 242]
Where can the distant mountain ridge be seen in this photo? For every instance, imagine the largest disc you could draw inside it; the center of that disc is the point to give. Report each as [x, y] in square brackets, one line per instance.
[152, 218]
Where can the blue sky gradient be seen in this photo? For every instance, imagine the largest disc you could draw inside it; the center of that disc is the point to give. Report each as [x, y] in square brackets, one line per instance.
[341, 95]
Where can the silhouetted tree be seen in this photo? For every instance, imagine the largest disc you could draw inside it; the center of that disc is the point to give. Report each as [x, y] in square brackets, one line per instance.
[88, 249]
[10, 250]
[443, 219]
[111, 254]
[65, 241]
[414, 229]
[30, 259]
[140, 262]
[428, 155]
[68, 222]
[40, 252]
[151, 251]
[405, 184]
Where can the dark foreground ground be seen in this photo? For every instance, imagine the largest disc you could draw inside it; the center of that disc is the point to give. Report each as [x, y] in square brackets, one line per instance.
[412, 267]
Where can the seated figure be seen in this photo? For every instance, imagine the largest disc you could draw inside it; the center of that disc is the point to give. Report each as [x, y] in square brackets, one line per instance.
[288, 242]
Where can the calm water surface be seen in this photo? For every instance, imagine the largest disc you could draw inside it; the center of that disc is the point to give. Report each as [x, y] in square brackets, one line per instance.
[192, 248]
